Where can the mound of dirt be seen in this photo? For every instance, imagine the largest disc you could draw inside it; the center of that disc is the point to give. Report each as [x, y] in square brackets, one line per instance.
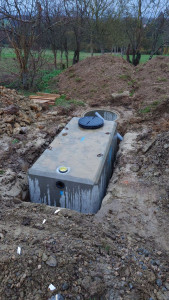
[16, 112]
[153, 82]
[26, 131]
[95, 79]
[156, 160]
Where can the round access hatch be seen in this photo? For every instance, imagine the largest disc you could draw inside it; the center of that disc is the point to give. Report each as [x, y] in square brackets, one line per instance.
[90, 122]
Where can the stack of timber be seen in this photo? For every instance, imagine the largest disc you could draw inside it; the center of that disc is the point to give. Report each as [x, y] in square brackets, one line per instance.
[44, 98]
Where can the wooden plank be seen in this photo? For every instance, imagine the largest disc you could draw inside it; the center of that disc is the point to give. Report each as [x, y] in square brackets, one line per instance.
[43, 100]
[48, 95]
[51, 102]
[40, 101]
[42, 97]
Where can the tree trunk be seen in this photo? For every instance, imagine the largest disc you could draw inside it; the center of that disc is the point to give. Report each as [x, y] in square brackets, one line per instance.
[25, 79]
[76, 56]
[61, 56]
[55, 57]
[62, 65]
[91, 45]
[77, 50]
[66, 52]
[67, 58]
[76, 53]
[102, 50]
[128, 54]
[133, 55]
[136, 57]
[0, 52]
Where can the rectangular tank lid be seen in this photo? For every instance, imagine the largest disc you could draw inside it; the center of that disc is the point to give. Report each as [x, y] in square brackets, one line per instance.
[82, 150]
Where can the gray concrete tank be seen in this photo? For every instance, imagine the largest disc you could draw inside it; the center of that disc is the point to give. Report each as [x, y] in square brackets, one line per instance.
[74, 172]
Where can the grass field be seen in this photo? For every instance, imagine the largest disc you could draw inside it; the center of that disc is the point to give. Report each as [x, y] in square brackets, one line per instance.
[9, 54]
[9, 72]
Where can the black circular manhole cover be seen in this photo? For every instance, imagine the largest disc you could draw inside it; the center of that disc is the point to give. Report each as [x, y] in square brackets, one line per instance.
[90, 122]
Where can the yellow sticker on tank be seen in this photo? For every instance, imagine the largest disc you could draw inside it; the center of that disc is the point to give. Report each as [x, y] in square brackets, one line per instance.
[63, 169]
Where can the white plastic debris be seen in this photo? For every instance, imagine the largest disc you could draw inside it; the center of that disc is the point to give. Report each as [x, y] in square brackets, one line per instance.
[51, 287]
[19, 250]
[56, 297]
[56, 211]
[44, 221]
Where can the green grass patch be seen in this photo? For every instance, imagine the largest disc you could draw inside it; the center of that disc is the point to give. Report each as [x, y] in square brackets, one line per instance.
[83, 55]
[63, 102]
[120, 91]
[107, 249]
[43, 84]
[15, 141]
[2, 172]
[77, 102]
[131, 82]
[148, 108]
[71, 75]
[7, 53]
[78, 79]
[155, 103]
[26, 93]
[125, 77]
[144, 58]
[145, 110]
[162, 79]
[132, 93]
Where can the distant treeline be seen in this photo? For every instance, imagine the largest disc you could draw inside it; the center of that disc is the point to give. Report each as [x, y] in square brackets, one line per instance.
[128, 27]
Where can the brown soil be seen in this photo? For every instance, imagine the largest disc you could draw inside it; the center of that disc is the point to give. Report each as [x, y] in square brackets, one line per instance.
[122, 251]
[95, 79]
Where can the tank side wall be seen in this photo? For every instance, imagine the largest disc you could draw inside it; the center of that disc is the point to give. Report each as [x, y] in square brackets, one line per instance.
[77, 196]
[107, 170]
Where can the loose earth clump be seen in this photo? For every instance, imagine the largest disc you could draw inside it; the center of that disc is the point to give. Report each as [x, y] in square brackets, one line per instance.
[122, 251]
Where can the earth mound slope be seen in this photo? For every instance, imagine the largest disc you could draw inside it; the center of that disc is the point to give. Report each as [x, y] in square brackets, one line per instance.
[95, 79]
[153, 81]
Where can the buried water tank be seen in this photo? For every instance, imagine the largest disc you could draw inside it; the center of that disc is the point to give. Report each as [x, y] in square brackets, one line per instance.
[75, 170]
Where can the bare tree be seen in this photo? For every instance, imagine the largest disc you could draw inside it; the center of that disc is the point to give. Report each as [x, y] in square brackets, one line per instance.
[53, 17]
[160, 33]
[76, 12]
[99, 13]
[2, 38]
[157, 30]
[138, 15]
[21, 21]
